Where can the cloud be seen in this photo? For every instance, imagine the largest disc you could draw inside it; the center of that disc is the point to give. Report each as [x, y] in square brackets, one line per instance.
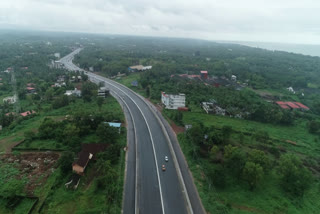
[249, 20]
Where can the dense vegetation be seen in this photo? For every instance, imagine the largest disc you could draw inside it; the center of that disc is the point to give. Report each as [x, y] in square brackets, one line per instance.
[56, 123]
[266, 162]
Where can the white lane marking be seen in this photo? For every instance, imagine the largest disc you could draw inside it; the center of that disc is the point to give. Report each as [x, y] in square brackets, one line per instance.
[155, 155]
[153, 148]
[136, 141]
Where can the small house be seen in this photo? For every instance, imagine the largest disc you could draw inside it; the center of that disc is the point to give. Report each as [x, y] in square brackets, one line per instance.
[87, 153]
[115, 125]
[204, 75]
[27, 113]
[31, 90]
[74, 92]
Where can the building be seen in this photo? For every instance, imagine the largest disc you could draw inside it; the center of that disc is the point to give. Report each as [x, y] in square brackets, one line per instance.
[173, 101]
[292, 105]
[136, 68]
[103, 92]
[290, 89]
[10, 100]
[74, 92]
[27, 113]
[234, 78]
[211, 107]
[204, 75]
[115, 125]
[57, 64]
[31, 90]
[88, 152]
[57, 55]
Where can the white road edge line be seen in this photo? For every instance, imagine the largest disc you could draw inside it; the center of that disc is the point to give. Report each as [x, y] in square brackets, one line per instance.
[169, 142]
[176, 163]
[136, 141]
[154, 151]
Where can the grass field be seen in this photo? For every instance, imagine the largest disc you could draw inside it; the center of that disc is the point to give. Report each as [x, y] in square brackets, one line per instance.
[127, 80]
[86, 199]
[62, 200]
[235, 197]
[23, 206]
[307, 144]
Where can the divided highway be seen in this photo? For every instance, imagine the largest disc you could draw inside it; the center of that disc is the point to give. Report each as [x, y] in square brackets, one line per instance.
[148, 189]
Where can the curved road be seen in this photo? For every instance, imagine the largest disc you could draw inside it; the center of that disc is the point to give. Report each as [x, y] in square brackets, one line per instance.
[148, 189]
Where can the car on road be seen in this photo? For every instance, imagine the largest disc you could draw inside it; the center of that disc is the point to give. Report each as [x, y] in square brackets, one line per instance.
[166, 158]
[163, 167]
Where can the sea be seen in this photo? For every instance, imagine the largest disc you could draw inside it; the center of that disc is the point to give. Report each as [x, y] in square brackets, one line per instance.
[310, 50]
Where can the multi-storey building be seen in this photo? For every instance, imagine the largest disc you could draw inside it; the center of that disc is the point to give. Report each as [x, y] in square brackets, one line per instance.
[173, 101]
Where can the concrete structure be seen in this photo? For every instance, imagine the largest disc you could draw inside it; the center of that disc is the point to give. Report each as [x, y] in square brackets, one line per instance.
[204, 75]
[57, 55]
[103, 92]
[57, 64]
[74, 92]
[290, 89]
[234, 78]
[211, 107]
[173, 101]
[10, 100]
[136, 68]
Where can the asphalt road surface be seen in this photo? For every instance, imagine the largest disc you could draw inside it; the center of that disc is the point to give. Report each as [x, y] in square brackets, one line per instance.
[149, 189]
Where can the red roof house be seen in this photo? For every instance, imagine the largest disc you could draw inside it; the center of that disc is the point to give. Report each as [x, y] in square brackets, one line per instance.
[24, 114]
[292, 105]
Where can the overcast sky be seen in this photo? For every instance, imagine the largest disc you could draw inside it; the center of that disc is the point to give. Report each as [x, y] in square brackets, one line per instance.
[290, 21]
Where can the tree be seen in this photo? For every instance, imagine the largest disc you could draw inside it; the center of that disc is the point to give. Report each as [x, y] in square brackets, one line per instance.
[314, 127]
[49, 94]
[107, 179]
[259, 157]
[235, 159]
[148, 91]
[106, 133]
[47, 128]
[88, 91]
[226, 132]
[71, 135]
[65, 162]
[252, 173]
[295, 178]
[100, 101]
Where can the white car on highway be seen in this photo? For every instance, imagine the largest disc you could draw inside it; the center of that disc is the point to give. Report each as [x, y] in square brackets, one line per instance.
[166, 158]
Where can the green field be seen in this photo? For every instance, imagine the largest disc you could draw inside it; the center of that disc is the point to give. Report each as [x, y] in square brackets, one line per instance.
[307, 144]
[236, 198]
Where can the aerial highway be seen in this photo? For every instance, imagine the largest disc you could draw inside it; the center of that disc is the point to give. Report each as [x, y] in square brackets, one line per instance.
[149, 189]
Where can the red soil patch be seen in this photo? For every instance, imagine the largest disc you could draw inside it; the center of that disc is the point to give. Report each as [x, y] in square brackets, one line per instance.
[176, 129]
[36, 166]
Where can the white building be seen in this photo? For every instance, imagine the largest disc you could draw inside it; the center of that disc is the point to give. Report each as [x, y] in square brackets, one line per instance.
[74, 92]
[57, 55]
[234, 78]
[103, 92]
[173, 101]
[290, 89]
[10, 100]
